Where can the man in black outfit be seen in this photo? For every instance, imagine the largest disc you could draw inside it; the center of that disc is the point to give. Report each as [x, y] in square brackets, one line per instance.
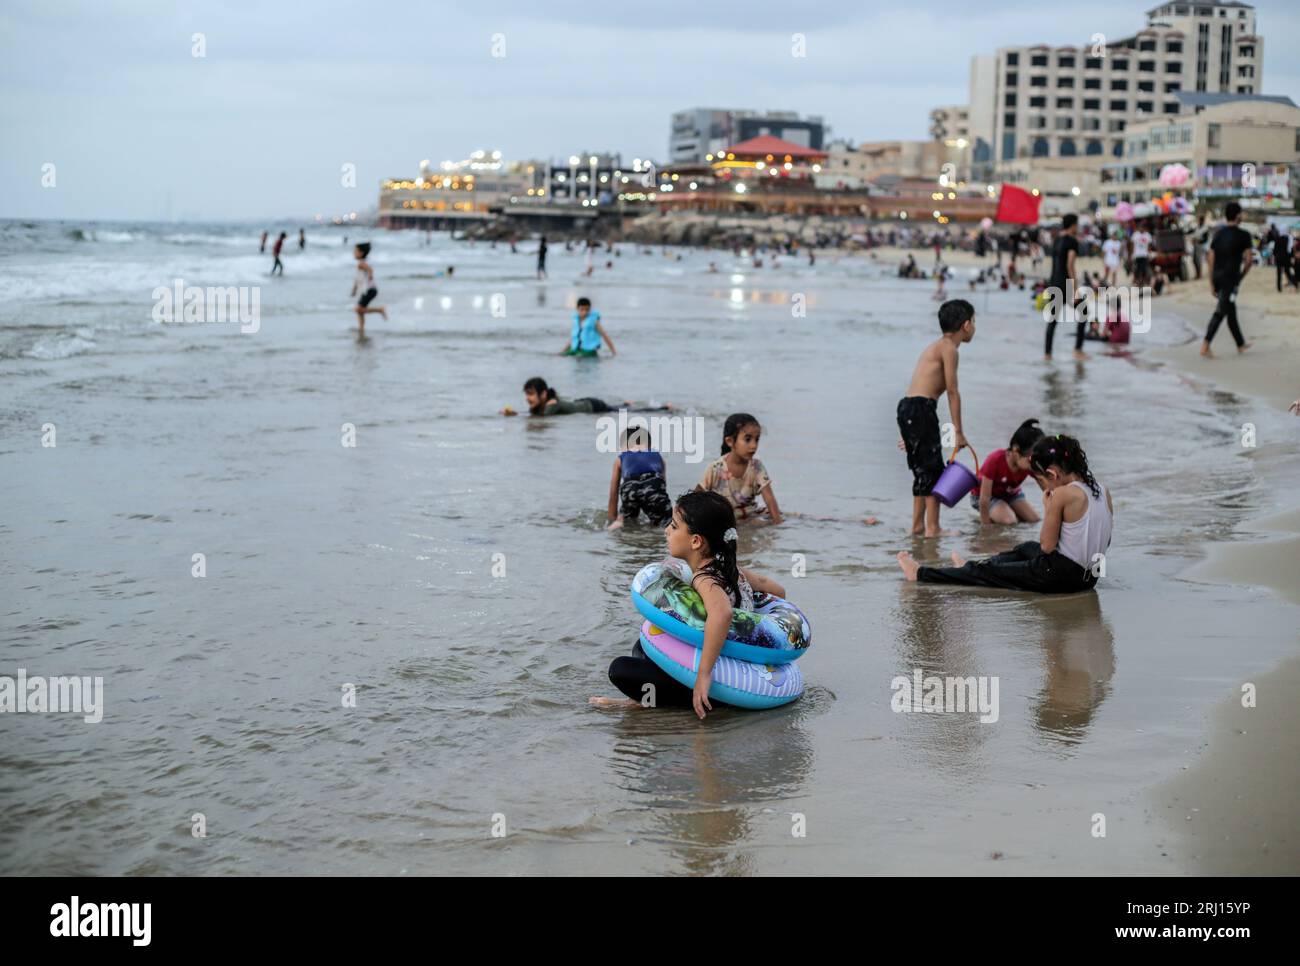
[1229, 259]
[1282, 257]
[1064, 252]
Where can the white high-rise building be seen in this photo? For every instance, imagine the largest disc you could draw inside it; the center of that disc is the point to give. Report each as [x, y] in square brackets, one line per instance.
[1077, 100]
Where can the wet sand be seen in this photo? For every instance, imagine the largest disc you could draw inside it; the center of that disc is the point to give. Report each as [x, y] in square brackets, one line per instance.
[374, 565]
[1235, 810]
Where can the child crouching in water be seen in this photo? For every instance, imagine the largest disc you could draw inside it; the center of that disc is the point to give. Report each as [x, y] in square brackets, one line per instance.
[1077, 523]
[702, 532]
[997, 495]
[639, 481]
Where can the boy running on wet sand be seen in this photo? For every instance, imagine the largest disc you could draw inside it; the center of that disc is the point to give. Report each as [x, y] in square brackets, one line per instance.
[918, 411]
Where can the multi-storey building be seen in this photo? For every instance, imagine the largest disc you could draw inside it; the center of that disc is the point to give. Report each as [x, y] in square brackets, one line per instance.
[1241, 146]
[703, 131]
[1077, 101]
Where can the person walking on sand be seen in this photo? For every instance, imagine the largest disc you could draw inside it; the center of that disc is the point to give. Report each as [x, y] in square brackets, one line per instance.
[263, 248]
[302, 239]
[364, 286]
[1228, 260]
[1062, 284]
[541, 258]
[278, 266]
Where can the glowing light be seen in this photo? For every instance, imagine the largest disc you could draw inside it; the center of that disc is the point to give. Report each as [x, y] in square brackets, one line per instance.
[694, 185]
[817, 169]
[573, 159]
[760, 165]
[936, 212]
[740, 187]
[788, 166]
[592, 159]
[1034, 192]
[1075, 191]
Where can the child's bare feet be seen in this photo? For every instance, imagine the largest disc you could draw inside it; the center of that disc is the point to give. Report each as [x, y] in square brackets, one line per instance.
[615, 524]
[957, 560]
[1080, 354]
[383, 314]
[1243, 348]
[910, 566]
[1205, 351]
[940, 533]
[603, 702]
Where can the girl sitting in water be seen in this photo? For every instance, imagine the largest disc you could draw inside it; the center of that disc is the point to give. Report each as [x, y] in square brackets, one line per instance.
[543, 401]
[1077, 521]
[702, 532]
[997, 495]
[737, 474]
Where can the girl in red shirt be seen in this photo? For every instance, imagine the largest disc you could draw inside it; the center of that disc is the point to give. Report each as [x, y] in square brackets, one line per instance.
[997, 496]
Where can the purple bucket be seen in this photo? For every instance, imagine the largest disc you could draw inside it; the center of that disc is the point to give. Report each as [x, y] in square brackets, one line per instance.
[956, 481]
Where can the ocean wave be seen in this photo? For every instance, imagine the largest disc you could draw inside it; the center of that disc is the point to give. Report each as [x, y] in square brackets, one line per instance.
[62, 346]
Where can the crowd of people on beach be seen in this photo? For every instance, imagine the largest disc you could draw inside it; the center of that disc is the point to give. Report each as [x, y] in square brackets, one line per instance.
[1077, 518]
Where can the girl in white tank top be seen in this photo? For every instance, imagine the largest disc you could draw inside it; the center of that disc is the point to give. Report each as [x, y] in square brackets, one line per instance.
[1066, 557]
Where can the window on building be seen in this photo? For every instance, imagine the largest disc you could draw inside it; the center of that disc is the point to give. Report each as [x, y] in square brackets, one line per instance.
[1145, 107]
[1246, 50]
[1092, 124]
[1212, 136]
[1092, 63]
[1172, 87]
[1038, 82]
[1119, 84]
[1148, 87]
[1092, 103]
[1117, 149]
[1244, 89]
[1174, 47]
[1094, 147]
[1115, 125]
[1171, 107]
[1038, 60]
[1013, 79]
[1009, 120]
[1038, 101]
[1147, 66]
[1040, 147]
[1065, 124]
[1013, 59]
[1067, 62]
[1146, 43]
[1246, 70]
[1119, 64]
[1119, 105]
[1068, 150]
[1173, 67]
[1092, 83]
[1010, 100]
[1065, 103]
[1064, 82]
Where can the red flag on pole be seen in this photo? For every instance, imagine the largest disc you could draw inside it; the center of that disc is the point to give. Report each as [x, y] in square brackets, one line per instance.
[1017, 206]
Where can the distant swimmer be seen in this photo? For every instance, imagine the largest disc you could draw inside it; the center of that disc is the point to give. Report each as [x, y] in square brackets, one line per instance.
[541, 258]
[263, 248]
[542, 400]
[302, 239]
[278, 266]
[364, 287]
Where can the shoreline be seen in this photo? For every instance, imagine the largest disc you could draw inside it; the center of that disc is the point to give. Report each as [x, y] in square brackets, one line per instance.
[1231, 808]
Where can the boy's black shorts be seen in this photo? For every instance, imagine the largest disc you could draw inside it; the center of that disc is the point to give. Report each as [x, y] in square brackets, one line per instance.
[918, 422]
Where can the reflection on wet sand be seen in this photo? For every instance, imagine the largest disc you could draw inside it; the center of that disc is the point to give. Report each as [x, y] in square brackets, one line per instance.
[1061, 399]
[1079, 651]
[702, 781]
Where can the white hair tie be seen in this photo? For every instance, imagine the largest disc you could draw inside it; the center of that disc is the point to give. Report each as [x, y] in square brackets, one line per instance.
[730, 536]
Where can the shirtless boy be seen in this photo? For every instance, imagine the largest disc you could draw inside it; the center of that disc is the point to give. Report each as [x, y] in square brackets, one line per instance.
[918, 411]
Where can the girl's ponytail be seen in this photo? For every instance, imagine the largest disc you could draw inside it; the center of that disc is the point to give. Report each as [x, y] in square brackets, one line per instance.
[1066, 453]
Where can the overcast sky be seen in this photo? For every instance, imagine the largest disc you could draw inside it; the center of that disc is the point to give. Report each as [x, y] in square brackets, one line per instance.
[289, 91]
